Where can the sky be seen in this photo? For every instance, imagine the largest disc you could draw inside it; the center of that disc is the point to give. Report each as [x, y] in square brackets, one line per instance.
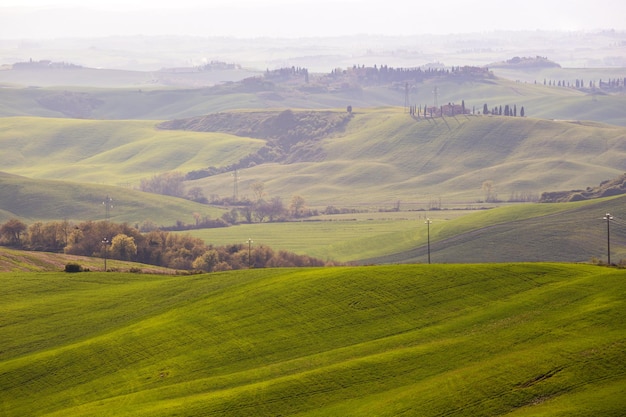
[35, 19]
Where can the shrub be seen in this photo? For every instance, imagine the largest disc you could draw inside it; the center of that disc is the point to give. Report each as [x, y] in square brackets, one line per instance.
[73, 267]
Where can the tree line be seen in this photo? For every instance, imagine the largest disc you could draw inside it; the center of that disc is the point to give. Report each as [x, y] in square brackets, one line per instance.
[612, 85]
[508, 110]
[157, 247]
[385, 74]
[258, 210]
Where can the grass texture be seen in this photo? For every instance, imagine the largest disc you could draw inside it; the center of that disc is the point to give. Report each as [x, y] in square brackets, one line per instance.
[110, 152]
[456, 340]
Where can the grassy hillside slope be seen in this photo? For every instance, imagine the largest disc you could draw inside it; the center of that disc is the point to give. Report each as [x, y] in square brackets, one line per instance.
[385, 155]
[572, 232]
[25, 261]
[110, 152]
[511, 339]
[44, 200]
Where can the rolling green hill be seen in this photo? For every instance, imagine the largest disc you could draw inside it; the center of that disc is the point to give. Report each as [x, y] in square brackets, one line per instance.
[45, 200]
[12, 260]
[384, 156]
[572, 232]
[110, 152]
[481, 340]
[379, 157]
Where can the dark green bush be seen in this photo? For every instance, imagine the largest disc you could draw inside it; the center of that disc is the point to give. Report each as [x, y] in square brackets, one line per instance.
[73, 267]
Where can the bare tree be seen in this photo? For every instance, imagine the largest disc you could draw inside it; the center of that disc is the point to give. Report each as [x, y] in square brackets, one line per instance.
[12, 231]
[297, 206]
[488, 188]
[258, 188]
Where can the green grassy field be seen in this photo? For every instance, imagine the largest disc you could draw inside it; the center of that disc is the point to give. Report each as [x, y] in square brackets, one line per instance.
[385, 156]
[12, 260]
[481, 340]
[44, 200]
[328, 240]
[110, 152]
[572, 232]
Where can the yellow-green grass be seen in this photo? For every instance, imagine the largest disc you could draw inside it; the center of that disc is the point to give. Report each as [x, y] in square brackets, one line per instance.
[47, 200]
[12, 260]
[574, 232]
[328, 240]
[524, 232]
[111, 152]
[385, 156]
[341, 238]
[457, 340]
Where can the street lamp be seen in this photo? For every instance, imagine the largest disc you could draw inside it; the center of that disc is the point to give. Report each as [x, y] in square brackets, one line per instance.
[608, 219]
[249, 250]
[105, 242]
[428, 222]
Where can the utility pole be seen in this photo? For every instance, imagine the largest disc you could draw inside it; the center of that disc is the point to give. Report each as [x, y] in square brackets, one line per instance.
[428, 222]
[608, 219]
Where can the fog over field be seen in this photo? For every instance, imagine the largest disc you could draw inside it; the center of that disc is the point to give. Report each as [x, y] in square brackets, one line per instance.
[319, 35]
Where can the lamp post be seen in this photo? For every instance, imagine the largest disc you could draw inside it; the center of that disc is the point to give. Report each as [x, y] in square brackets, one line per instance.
[249, 252]
[105, 242]
[428, 222]
[608, 219]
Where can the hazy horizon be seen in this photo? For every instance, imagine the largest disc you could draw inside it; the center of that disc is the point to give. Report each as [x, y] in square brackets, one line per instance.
[37, 19]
